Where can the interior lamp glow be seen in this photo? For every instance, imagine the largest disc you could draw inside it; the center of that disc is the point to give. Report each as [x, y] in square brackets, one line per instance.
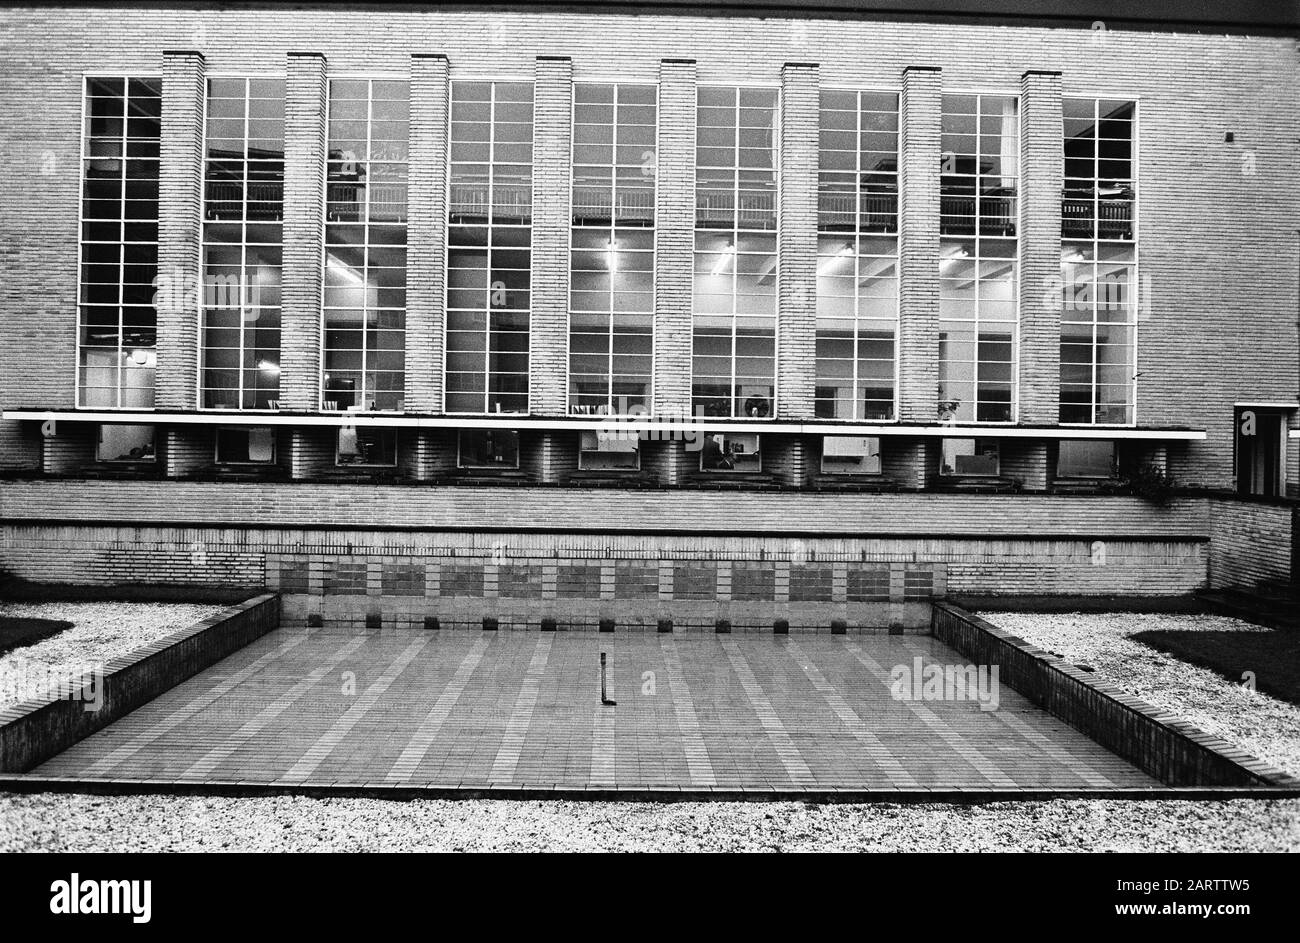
[725, 257]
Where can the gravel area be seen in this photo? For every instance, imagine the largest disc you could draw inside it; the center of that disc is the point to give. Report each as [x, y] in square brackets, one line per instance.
[1257, 722]
[195, 823]
[100, 631]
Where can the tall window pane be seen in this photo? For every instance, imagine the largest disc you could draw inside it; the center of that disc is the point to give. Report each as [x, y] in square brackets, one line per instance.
[611, 300]
[979, 169]
[1098, 263]
[977, 258]
[857, 272]
[242, 243]
[489, 247]
[733, 369]
[119, 242]
[365, 246]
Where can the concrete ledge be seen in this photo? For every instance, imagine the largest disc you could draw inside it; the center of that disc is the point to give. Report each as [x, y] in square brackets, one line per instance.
[1155, 741]
[33, 731]
[325, 789]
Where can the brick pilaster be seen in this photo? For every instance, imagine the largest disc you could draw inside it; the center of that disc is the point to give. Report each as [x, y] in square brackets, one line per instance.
[675, 237]
[1028, 461]
[180, 209]
[1040, 248]
[549, 325]
[188, 449]
[426, 232]
[920, 116]
[796, 322]
[304, 189]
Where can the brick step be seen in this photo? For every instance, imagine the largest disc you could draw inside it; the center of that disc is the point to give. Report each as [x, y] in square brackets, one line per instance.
[1244, 605]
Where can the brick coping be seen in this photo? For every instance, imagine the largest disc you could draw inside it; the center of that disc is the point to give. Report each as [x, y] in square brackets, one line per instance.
[35, 729]
[327, 789]
[20, 709]
[1271, 778]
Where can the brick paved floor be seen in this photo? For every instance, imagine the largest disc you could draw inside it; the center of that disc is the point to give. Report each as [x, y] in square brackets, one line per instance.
[523, 709]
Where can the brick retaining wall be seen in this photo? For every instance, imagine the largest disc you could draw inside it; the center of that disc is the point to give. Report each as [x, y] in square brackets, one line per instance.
[33, 731]
[1155, 741]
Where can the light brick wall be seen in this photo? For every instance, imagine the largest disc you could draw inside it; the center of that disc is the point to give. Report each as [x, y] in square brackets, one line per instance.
[180, 222]
[1041, 182]
[304, 201]
[426, 232]
[920, 120]
[549, 326]
[674, 237]
[796, 321]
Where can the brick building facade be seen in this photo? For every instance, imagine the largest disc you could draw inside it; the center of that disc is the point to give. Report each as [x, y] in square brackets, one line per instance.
[874, 309]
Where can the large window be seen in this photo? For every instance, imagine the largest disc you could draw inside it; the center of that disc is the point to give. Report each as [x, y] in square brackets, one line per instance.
[489, 247]
[857, 176]
[733, 372]
[365, 246]
[857, 258]
[1098, 263]
[979, 165]
[242, 239]
[977, 258]
[977, 329]
[611, 302]
[119, 242]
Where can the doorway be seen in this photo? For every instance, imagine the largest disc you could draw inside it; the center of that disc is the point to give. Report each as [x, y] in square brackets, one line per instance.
[1261, 451]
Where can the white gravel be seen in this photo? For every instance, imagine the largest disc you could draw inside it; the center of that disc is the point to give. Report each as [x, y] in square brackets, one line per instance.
[100, 631]
[191, 823]
[1259, 723]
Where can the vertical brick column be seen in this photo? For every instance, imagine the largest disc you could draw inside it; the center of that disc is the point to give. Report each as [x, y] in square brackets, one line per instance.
[426, 232]
[674, 237]
[180, 208]
[549, 325]
[1040, 247]
[920, 116]
[304, 198]
[796, 319]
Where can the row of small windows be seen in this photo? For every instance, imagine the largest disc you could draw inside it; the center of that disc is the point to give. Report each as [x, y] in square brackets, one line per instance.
[498, 449]
[489, 256]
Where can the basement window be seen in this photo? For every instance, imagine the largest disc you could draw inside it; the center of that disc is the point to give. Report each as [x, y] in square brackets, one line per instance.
[245, 445]
[368, 446]
[613, 450]
[970, 457]
[850, 455]
[1086, 458]
[488, 448]
[126, 444]
[730, 452]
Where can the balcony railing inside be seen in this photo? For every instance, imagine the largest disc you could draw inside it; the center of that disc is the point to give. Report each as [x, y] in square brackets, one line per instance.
[509, 204]
[1102, 212]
